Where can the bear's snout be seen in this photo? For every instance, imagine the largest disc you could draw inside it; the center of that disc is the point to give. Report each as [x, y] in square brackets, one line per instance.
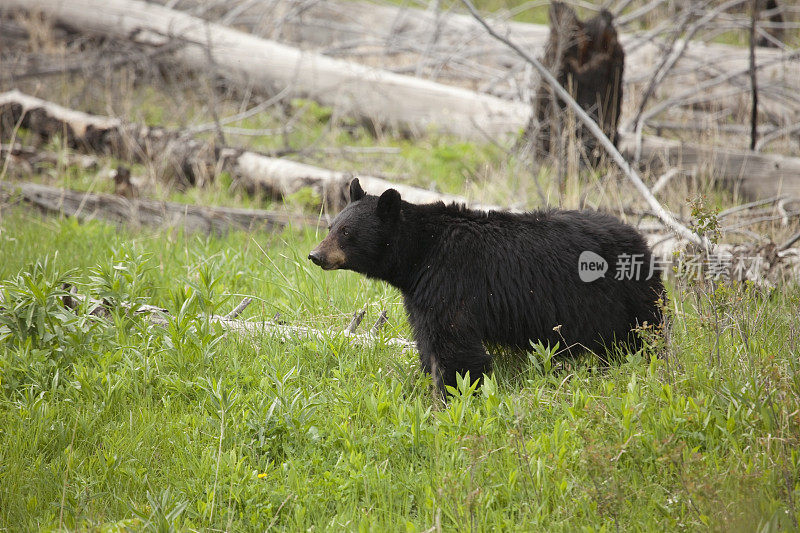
[327, 255]
[315, 257]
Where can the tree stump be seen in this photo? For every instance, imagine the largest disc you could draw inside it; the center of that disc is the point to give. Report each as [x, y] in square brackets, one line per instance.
[587, 59]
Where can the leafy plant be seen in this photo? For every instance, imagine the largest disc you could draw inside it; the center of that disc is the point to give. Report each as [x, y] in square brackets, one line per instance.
[42, 335]
[164, 513]
[123, 282]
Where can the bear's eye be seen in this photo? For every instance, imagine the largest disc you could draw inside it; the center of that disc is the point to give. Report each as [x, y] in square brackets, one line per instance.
[345, 232]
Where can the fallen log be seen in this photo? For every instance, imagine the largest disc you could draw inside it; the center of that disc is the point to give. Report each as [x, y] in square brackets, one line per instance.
[191, 160]
[286, 333]
[140, 212]
[195, 159]
[232, 323]
[289, 176]
[371, 30]
[382, 98]
[753, 174]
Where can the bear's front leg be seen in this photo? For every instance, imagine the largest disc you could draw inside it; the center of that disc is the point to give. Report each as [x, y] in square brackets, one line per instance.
[446, 356]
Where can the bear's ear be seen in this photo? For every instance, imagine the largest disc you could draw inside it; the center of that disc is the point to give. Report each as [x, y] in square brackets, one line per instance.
[356, 192]
[389, 205]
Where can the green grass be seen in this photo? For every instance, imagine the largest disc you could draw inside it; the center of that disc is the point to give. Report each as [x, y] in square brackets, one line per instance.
[118, 423]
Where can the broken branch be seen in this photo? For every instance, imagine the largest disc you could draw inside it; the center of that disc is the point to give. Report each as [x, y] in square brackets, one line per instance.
[592, 126]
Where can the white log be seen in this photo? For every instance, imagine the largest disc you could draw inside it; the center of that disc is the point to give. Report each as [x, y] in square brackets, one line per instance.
[402, 102]
[333, 22]
[288, 177]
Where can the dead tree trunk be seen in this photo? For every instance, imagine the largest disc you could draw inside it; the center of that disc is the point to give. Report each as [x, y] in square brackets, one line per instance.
[587, 59]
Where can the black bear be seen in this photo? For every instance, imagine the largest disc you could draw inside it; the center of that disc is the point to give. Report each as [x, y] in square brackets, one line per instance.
[471, 278]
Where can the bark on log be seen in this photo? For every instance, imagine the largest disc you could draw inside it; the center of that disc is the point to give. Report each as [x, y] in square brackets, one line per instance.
[256, 172]
[586, 59]
[383, 98]
[138, 212]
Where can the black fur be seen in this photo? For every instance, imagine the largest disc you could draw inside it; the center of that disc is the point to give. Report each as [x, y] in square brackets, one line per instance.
[471, 278]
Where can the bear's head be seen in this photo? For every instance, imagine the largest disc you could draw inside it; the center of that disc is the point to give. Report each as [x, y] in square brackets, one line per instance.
[360, 237]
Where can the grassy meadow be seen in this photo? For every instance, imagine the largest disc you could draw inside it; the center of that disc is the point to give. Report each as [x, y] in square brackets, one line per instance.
[116, 423]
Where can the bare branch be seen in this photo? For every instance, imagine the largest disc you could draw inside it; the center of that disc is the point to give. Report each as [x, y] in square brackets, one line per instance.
[239, 309]
[789, 242]
[382, 319]
[592, 126]
[777, 134]
[358, 316]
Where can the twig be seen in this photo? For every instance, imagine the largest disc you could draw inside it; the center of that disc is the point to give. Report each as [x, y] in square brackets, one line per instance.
[437, 31]
[231, 15]
[278, 512]
[592, 126]
[665, 178]
[253, 133]
[701, 127]
[620, 7]
[239, 309]
[633, 15]
[786, 245]
[781, 208]
[212, 93]
[736, 209]
[776, 134]
[760, 220]
[240, 116]
[358, 316]
[668, 63]
[691, 95]
[382, 319]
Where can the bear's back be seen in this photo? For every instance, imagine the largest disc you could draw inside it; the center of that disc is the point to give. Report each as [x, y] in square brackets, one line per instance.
[520, 274]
